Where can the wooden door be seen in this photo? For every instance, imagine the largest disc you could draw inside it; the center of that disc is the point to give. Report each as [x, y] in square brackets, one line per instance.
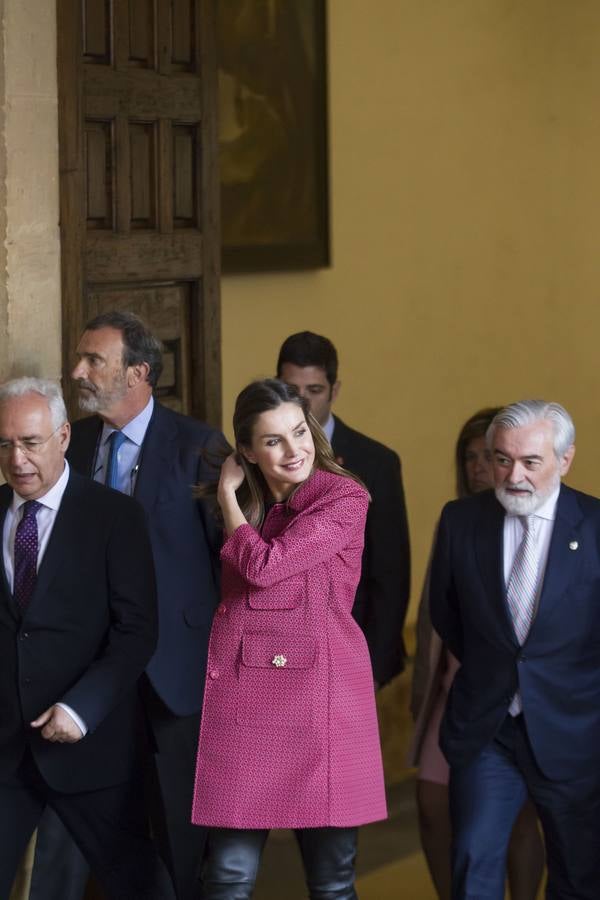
[139, 182]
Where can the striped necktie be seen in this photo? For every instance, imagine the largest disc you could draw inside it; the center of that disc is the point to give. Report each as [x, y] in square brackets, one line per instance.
[521, 591]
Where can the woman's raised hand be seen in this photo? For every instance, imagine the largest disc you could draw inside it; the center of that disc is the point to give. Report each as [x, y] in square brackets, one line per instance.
[232, 474]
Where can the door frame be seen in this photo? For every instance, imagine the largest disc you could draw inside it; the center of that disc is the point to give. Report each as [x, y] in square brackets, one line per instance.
[206, 310]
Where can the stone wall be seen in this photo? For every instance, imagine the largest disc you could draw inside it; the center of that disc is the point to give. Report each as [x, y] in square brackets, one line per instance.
[30, 323]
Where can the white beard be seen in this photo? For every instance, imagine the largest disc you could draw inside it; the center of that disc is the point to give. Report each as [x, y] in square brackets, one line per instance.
[525, 504]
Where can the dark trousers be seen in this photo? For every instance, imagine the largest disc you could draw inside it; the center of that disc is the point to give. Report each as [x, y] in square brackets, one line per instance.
[109, 826]
[485, 798]
[170, 774]
[169, 781]
[60, 871]
[233, 857]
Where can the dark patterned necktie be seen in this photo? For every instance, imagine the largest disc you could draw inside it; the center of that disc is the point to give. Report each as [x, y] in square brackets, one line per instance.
[26, 553]
[117, 438]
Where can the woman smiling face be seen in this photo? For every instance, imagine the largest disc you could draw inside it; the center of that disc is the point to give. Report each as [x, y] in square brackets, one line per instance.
[282, 448]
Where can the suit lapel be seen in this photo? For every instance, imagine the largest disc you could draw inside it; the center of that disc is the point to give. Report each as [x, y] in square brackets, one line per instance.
[489, 552]
[82, 452]
[563, 562]
[156, 458]
[5, 501]
[63, 539]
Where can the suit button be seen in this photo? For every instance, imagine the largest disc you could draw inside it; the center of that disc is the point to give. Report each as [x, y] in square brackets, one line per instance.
[221, 609]
[27, 681]
[214, 674]
[24, 635]
[522, 658]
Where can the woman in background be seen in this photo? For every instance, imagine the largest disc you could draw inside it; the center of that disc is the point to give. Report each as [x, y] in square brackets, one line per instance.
[289, 734]
[434, 670]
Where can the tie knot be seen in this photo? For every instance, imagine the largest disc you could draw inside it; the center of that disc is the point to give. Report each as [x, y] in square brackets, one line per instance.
[117, 438]
[30, 508]
[527, 523]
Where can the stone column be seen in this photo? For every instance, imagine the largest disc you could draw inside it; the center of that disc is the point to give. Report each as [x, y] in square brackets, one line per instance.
[30, 304]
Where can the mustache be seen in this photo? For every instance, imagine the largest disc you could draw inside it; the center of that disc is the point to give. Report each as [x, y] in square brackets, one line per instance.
[520, 486]
[83, 383]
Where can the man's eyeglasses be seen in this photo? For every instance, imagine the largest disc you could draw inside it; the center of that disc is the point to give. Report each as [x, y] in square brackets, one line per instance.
[28, 446]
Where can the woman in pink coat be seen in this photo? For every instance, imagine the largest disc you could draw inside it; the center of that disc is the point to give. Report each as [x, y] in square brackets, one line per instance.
[289, 734]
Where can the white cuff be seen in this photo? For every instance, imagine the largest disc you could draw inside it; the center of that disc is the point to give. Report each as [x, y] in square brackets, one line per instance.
[78, 721]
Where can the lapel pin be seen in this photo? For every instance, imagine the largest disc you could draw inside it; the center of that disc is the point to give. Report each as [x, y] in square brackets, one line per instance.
[573, 545]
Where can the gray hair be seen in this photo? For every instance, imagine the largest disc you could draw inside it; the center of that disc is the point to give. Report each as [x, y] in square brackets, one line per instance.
[49, 390]
[528, 412]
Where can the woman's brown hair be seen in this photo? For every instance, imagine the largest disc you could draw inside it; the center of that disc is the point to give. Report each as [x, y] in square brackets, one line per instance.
[257, 398]
[474, 427]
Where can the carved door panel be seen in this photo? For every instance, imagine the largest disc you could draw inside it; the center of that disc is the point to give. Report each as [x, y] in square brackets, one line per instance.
[139, 182]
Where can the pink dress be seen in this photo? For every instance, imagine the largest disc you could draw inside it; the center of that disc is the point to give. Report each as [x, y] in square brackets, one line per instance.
[433, 674]
[289, 735]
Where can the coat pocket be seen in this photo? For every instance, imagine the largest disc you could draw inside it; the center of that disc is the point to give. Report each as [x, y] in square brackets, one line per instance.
[277, 676]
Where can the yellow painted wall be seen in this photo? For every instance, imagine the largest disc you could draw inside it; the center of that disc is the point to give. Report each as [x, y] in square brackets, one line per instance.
[465, 198]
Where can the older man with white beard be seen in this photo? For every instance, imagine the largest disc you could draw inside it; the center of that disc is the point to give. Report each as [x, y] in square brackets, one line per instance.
[515, 595]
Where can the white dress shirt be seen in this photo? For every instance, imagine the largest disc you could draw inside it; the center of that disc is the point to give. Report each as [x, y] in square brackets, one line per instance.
[45, 518]
[328, 427]
[543, 524]
[128, 457]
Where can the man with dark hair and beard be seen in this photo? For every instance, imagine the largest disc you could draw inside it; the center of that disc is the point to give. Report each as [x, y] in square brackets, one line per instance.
[139, 447]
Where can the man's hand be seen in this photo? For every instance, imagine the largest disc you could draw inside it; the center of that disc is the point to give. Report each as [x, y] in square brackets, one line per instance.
[58, 726]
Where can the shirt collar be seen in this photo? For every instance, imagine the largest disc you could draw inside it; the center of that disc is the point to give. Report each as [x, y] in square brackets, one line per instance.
[328, 427]
[135, 430]
[51, 499]
[548, 508]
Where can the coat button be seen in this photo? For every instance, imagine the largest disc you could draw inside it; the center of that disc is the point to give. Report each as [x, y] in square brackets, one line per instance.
[221, 609]
[214, 674]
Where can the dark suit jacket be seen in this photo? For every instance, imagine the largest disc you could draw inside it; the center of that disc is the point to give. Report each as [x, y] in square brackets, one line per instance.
[384, 588]
[185, 543]
[84, 639]
[558, 667]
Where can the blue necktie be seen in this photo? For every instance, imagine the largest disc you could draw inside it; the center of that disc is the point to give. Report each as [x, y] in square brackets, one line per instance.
[26, 553]
[116, 439]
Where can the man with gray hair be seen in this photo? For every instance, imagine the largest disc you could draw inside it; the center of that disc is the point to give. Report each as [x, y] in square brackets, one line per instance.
[77, 627]
[515, 595]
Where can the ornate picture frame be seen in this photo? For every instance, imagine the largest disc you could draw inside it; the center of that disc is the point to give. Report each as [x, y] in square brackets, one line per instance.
[273, 135]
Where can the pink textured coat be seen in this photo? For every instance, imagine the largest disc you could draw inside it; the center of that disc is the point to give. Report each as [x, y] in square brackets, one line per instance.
[289, 734]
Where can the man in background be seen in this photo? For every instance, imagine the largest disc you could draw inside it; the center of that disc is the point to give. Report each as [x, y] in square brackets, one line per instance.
[309, 362]
[77, 627]
[137, 446]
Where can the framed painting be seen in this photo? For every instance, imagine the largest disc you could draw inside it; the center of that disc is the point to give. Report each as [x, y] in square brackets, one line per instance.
[273, 134]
